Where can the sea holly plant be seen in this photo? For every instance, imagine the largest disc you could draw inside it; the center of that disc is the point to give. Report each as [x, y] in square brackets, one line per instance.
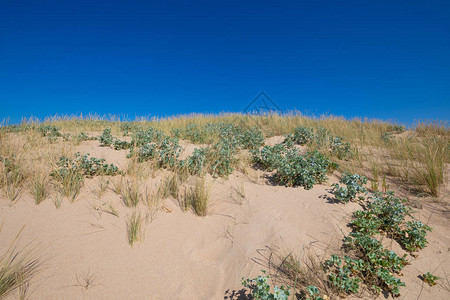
[261, 290]
[430, 278]
[83, 165]
[340, 148]
[302, 170]
[51, 132]
[343, 274]
[368, 260]
[196, 163]
[251, 139]
[270, 157]
[106, 139]
[302, 136]
[314, 293]
[354, 185]
[321, 138]
[414, 236]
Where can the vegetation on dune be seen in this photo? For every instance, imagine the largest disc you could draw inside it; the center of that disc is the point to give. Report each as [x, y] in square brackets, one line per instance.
[17, 269]
[310, 149]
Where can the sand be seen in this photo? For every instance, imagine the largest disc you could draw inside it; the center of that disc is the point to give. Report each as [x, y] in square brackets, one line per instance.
[182, 256]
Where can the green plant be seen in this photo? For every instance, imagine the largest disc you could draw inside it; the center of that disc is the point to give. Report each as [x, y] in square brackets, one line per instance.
[83, 137]
[69, 172]
[150, 135]
[51, 132]
[196, 163]
[168, 152]
[342, 275]
[106, 139]
[314, 293]
[251, 139]
[270, 158]
[413, 238]
[430, 278]
[119, 144]
[354, 186]
[91, 166]
[146, 152]
[340, 148]
[221, 158]
[302, 170]
[302, 136]
[322, 139]
[127, 127]
[261, 289]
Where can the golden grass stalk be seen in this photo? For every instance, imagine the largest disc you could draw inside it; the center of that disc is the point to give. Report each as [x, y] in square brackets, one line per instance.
[17, 268]
[131, 194]
[197, 198]
[135, 226]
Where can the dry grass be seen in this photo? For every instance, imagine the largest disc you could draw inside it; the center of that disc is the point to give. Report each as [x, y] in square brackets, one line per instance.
[135, 228]
[17, 269]
[170, 186]
[300, 271]
[418, 160]
[197, 197]
[39, 188]
[131, 194]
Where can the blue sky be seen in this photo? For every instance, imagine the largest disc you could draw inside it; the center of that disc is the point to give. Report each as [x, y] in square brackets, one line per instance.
[375, 59]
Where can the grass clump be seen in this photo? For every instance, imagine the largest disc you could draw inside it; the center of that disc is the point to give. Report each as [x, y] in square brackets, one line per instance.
[197, 198]
[170, 186]
[131, 194]
[17, 269]
[39, 188]
[11, 177]
[135, 228]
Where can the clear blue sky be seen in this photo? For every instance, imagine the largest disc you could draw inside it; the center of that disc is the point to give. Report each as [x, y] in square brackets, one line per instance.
[376, 59]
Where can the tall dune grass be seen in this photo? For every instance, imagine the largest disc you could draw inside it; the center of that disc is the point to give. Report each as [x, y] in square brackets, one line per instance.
[419, 159]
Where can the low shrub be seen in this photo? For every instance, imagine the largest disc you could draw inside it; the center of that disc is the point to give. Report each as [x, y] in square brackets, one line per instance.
[302, 170]
[372, 263]
[70, 172]
[221, 158]
[270, 157]
[196, 163]
[252, 138]
[354, 186]
[106, 139]
[301, 136]
[261, 289]
[322, 139]
[430, 278]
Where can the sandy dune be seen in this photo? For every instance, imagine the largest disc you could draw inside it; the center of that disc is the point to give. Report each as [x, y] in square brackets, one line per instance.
[184, 256]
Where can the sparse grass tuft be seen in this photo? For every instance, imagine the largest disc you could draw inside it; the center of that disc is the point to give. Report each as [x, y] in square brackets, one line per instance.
[197, 197]
[39, 188]
[131, 194]
[17, 268]
[135, 230]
